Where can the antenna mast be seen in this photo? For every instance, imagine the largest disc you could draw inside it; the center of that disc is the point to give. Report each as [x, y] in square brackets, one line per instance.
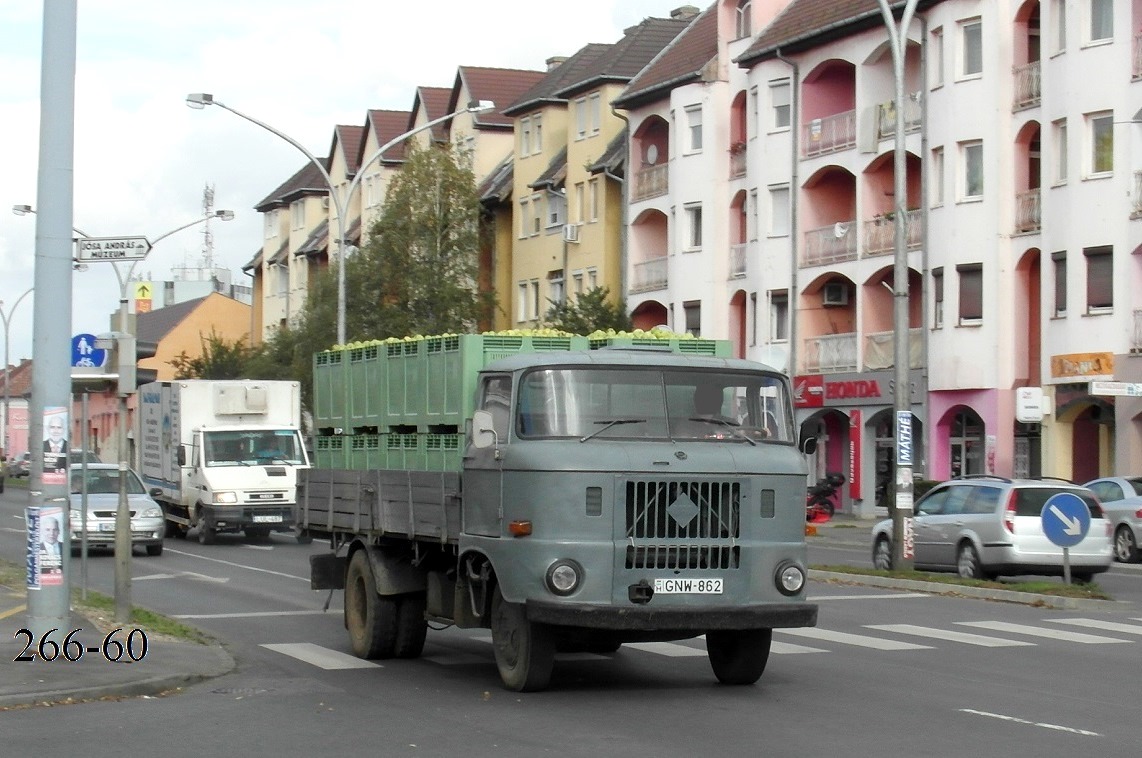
[207, 233]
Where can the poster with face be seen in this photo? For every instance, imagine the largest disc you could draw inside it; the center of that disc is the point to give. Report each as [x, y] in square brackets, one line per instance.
[55, 445]
[45, 546]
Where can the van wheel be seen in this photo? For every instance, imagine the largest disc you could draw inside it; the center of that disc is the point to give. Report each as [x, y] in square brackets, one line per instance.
[153, 550]
[370, 618]
[1125, 546]
[207, 534]
[738, 656]
[525, 651]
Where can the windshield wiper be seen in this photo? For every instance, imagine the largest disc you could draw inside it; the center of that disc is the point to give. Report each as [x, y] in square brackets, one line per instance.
[613, 422]
[735, 428]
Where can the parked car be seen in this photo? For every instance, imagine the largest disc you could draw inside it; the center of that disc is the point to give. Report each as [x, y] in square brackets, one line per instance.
[987, 526]
[77, 455]
[147, 521]
[20, 465]
[1121, 499]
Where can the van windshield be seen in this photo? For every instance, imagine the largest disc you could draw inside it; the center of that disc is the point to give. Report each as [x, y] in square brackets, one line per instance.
[253, 447]
[612, 403]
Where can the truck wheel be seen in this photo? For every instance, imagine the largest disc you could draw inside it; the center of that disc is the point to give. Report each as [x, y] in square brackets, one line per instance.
[411, 625]
[370, 618]
[304, 537]
[525, 652]
[738, 656]
[207, 534]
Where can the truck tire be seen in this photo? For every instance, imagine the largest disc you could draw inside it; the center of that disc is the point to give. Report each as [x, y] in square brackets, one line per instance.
[738, 656]
[207, 534]
[525, 651]
[370, 618]
[412, 627]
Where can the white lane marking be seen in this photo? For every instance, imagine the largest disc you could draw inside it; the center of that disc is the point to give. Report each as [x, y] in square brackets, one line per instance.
[239, 565]
[257, 615]
[258, 547]
[321, 657]
[187, 574]
[1036, 631]
[1017, 720]
[950, 635]
[666, 648]
[826, 635]
[885, 596]
[1109, 626]
[788, 648]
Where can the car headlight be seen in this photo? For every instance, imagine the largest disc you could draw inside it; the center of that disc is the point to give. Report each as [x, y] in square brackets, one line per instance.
[225, 498]
[789, 578]
[563, 577]
[153, 512]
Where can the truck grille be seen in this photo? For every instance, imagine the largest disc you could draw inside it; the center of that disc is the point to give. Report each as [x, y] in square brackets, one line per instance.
[682, 524]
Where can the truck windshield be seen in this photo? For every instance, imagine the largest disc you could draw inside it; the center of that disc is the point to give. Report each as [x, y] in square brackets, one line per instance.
[612, 403]
[251, 447]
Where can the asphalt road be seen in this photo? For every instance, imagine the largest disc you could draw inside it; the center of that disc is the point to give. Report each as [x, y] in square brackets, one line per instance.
[885, 672]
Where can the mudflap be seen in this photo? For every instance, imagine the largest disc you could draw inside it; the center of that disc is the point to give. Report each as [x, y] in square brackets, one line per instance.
[327, 571]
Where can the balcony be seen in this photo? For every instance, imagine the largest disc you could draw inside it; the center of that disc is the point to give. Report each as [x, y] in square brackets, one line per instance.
[651, 181]
[886, 116]
[1028, 86]
[880, 233]
[738, 153]
[1136, 206]
[738, 260]
[651, 275]
[828, 135]
[1028, 211]
[830, 244]
[879, 352]
[830, 353]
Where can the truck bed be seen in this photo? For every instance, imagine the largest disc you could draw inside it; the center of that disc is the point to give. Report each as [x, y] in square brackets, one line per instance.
[420, 505]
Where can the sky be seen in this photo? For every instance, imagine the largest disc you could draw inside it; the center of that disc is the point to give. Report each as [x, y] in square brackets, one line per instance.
[143, 158]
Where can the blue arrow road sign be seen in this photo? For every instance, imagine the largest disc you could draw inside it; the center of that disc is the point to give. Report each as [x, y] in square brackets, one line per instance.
[1066, 519]
[84, 353]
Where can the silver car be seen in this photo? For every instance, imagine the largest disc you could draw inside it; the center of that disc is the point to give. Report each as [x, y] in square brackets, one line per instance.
[147, 522]
[983, 527]
[1121, 498]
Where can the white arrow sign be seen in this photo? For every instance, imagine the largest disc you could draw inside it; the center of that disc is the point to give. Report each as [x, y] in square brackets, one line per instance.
[112, 248]
[1070, 526]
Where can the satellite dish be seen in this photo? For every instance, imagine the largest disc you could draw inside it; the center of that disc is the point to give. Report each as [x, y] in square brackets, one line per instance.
[652, 154]
[840, 229]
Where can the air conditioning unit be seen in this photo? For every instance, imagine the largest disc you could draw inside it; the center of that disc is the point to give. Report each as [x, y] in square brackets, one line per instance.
[325, 203]
[834, 293]
[570, 232]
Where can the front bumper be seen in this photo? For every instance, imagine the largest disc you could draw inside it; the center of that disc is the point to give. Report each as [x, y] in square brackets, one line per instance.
[235, 517]
[689, 619]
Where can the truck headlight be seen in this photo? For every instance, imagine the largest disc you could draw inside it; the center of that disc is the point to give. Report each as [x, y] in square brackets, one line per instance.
[225, 498]
[789, 578]
[563, 577]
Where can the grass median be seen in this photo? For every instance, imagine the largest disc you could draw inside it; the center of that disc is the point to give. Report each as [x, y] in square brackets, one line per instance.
[1089, 591]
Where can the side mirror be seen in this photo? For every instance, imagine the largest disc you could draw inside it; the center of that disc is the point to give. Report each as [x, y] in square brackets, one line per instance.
[808, 445]
[483, 432]
[181, 455]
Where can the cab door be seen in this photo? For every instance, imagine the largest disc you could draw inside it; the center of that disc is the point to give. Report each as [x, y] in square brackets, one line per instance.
[483, 468]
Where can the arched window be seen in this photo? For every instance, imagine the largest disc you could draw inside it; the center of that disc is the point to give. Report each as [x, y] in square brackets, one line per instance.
[743, 19]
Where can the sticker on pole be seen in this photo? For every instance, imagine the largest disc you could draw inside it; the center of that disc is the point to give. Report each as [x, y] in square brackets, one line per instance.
[1066, 519]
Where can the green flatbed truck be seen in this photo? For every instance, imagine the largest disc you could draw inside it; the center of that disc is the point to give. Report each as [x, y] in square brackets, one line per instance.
[566, 498]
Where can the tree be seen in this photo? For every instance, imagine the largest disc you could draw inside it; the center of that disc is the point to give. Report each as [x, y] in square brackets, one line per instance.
[219, 359]
[590, 311]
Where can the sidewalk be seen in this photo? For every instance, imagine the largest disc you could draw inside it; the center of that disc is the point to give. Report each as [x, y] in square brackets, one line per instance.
[168, 664]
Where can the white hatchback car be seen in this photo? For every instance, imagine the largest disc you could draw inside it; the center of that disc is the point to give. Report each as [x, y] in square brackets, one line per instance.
[985, 526]
[148, 526]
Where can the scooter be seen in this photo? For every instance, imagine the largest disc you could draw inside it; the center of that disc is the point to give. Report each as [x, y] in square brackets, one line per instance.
[819, 498]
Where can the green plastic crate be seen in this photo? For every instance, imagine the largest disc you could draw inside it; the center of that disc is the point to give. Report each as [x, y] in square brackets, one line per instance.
[715, 348]
[329, 452]
[329, 386]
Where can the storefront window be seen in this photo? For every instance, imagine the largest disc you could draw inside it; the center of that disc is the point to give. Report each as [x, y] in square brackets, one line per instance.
[967, 445]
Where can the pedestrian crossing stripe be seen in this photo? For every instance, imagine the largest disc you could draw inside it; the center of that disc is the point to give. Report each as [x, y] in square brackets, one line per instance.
[860, 640]
[322, 657]
[949, 634]
[1109, 626]
[1038, 631]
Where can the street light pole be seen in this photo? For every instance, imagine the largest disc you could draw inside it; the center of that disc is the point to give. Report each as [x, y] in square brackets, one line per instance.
[199, 100]
[6, 316]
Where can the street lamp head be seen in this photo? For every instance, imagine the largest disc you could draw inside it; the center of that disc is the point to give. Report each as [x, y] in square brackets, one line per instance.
[22, 210]
[199, 100]
[224, 215]
[481, 106]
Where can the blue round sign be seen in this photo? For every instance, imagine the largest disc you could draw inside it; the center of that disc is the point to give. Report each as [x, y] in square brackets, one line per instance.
[84, 353]
[1066, 519]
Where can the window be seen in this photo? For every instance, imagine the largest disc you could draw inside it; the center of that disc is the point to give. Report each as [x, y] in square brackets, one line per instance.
[1060, 264]
[779, 211]
[556, 208]
[1099, 279]
[577, 279]
[537, 133]
[751, 126]
[593, 199]
[594, 110]
[1101, 130]
[525, 217]
[779, 100]
[592, 278]
[297, 214]
[753, 318]
[972, 153]
[751, 219]
[742, 19]
[938, 297]
[271, 224]
[496, 398]
[693, 310]
[937, 52]
[533, 300]
[971, 52]
[1101, 20]
[555, 286]
[525, 136]
[694, 226]
[971, 293]
[580, 194]
[536, 214]
[778, 315]
[1060, 129]
[1060, 15]
[937, 176]
[694, 126]
[522, 293]
[581, 118]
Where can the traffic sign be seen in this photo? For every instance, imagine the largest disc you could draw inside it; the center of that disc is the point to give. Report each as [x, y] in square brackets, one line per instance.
[1066, 519]
[84, 353]
[112, 248]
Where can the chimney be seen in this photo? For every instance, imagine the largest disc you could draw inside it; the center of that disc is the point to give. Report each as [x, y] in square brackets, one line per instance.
[684, 12]
[554, 62]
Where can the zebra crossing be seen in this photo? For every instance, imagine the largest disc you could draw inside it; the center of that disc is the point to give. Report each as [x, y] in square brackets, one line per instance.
[887, 638]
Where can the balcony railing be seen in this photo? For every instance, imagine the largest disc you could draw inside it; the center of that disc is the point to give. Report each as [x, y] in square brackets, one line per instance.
[1028, 85]
[879, 350]
[830, 244]
[649, 275]
[737, 160]
[651, 181]
[829, 353]
[1136, 337]
[1137, 56]
[828, 134]
[1137, 204]
[738, 260]
[1028, 211]
[886, 116]
[880, 233]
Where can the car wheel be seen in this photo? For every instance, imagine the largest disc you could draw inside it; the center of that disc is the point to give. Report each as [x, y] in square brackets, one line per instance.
[882, 554]
[153, 550]
[967, 562]
[1082, 577]
[1125, 545]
